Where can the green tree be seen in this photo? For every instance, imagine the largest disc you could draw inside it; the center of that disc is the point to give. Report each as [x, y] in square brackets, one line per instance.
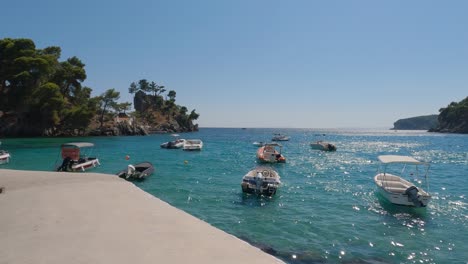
[171, 94]
[193, 115]
[49, 103]
[69, 76]
[122, 107]
[108, 99]
[133, 88]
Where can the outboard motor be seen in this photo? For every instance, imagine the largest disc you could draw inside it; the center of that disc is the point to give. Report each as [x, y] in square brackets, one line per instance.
[130, 170]
[258, 181]
[413, 196]
[66, 164]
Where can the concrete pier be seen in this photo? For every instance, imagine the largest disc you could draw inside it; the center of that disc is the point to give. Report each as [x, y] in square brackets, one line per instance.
[56, 218]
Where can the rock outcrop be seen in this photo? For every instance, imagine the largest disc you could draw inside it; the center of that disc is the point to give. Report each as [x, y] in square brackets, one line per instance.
[417, 123]
[453, 118]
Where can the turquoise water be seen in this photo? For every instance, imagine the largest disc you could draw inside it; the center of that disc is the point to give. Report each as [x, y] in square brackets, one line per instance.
[326, 211]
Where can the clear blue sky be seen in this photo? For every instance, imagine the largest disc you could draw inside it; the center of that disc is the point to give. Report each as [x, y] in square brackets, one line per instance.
[248, 63]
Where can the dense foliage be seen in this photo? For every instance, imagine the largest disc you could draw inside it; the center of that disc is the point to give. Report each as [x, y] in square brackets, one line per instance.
[42, 91]
[40, 95]
[159, 109]
[454, 117]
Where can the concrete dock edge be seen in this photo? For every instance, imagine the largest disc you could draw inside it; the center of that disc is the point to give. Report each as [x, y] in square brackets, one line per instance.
[50, 217]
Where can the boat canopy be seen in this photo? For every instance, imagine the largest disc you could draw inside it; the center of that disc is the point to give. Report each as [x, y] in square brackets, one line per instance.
[72, 150]
[400, 159]
[78, 144]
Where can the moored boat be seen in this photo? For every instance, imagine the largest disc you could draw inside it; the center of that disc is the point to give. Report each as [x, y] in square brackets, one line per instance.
[321, 145]
[4, 156]
[280, 137]
[258, 143]
[174, 144]
[271, 153]
[192, 144]
[74, 158]
[398, 190]
[261, 180]
[137, 172]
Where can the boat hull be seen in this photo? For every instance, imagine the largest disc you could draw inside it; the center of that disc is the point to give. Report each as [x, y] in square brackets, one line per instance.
[268, 191]
[395, 190]
[142, 171]
[89, 164]
[261, 181]
[402, 199]
[323, 146]
[193, 145]
[173, 144]
[4, 158]
[270, 156]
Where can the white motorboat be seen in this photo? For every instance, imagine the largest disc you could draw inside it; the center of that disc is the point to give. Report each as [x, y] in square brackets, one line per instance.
[193, 144]
[261, 180]
[280, 137]
[4, 156]
[138, 171]
[398, 190]
[271, 153]
[321, 145]
[174, 144]
[258, 143]
[75, 159]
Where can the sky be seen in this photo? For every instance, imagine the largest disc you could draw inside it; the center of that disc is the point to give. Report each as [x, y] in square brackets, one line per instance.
[249, 63]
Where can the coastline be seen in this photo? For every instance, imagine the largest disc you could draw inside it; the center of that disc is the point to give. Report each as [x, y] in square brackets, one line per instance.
[50, 217]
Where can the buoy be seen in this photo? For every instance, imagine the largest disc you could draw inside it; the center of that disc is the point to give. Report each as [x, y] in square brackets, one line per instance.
[127, 157]
[185, 162]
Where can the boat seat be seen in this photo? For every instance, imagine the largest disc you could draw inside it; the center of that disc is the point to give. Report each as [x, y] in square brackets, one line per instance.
[396, 189]
[395, 184]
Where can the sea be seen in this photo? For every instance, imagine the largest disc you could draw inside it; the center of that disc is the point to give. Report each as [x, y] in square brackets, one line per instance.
[327, 209]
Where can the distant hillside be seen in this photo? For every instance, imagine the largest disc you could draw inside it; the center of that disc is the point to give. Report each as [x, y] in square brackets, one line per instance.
[453, 118]
[416, 123]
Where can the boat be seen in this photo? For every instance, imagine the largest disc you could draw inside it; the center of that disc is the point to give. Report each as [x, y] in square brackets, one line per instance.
[322, 145]
[4, 156]
[271, 153]
[280, 137]
[261, 180]
[75, 157]
[258, 143]
[398, 190]
[137, 172]
[174, 144]
[193, 144]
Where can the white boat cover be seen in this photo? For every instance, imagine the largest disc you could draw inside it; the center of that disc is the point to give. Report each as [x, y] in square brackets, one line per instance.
[399, 159]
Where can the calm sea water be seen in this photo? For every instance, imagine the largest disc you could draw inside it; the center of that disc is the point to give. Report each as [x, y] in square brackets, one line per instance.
[326, 211]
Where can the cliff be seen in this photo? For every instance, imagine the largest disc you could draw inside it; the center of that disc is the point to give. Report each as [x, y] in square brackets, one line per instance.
[163, 116]
[416, 123]
[13, 124]
[453, 118]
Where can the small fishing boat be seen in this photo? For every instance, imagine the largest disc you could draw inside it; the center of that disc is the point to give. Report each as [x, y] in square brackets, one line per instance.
[258, 143]
[76, 157]
[137, 172]
[271, 153]
[321, 145]
[261, 180]
[280, 137]
[395, 188]
[193, 144]
[174, 144]
[4, 156]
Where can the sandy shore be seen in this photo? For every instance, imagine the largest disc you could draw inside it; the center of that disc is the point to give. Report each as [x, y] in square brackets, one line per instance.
[49, 217]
